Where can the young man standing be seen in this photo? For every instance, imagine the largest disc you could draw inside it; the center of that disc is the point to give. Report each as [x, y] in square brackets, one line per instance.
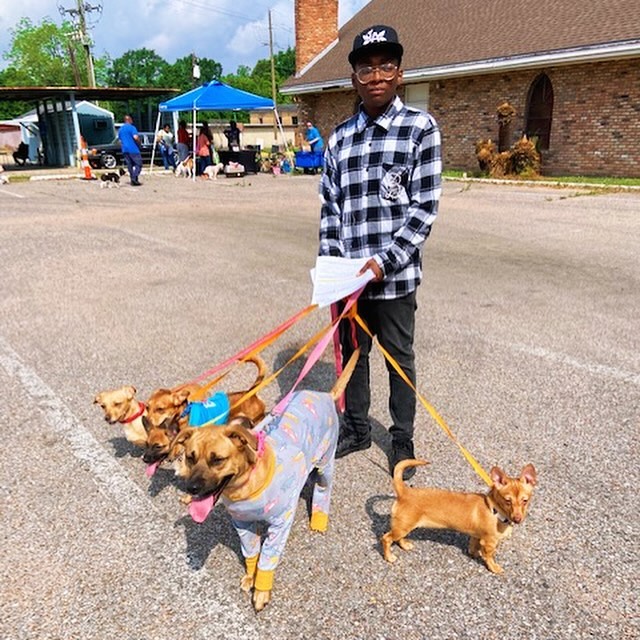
[128, 135]
[380, 191]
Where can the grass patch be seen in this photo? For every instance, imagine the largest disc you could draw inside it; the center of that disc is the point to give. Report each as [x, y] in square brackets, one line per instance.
[587, 180]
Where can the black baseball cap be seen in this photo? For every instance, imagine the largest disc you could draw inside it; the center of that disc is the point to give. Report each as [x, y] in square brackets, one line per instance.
[379, 37]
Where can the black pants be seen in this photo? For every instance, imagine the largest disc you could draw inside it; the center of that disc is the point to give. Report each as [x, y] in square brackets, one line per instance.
[392, 322]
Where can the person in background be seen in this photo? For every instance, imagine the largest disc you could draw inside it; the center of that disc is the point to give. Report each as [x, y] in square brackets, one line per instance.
[233, 136]
[314, 139]
[380, 191]
[128, 136]
[165, 140]
[203, 148]
[184, 141]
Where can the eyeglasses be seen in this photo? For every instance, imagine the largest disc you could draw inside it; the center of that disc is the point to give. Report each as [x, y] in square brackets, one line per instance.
[386, 72]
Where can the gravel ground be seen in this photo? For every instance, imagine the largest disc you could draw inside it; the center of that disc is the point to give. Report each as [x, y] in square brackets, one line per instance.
[527, 344]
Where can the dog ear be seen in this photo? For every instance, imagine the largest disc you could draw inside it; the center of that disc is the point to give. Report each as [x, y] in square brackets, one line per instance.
[131, 391]
[243, 438]
[242, 421]
[171, 426]
[498, 476]
[180, 397]
[98, 399]
[146, 423]
[529, 475]
[177, 446]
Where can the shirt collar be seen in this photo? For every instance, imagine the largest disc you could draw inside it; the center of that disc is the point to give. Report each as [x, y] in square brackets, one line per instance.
[383, 120]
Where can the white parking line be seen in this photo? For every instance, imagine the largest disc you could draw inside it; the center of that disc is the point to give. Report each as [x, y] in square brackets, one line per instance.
[600, 370]
[218, 614]
[15, 195]
[128, 496]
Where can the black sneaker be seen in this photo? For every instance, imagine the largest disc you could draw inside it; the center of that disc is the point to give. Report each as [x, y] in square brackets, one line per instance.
[402, 451]
[136, 183]
[350, 442]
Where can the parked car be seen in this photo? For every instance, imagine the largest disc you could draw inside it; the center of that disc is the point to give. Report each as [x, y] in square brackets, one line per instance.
[109, 156]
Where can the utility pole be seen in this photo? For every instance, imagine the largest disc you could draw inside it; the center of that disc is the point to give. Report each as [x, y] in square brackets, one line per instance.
[79, 18]
[273, 81]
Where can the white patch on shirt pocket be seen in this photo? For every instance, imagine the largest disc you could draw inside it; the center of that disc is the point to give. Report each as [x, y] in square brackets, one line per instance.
[394, 182]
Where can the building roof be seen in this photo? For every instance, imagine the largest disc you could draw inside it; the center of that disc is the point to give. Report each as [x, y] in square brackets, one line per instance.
[444, 38]
[82, 93]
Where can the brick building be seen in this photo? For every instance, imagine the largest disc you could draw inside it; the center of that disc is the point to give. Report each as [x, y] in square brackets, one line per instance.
[569, 68]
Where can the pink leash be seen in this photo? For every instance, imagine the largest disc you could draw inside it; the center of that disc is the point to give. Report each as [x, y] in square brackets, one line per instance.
[316, 353]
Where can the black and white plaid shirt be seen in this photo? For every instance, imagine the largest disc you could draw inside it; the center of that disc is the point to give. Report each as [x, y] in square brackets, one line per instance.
[380, 191]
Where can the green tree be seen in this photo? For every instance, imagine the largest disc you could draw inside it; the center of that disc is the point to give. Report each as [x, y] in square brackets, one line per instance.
[179, 75]
[137, 68]
[258, 79]
[44, 54]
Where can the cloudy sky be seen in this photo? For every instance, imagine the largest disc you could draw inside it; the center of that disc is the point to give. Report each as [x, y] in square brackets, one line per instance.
[232, 32]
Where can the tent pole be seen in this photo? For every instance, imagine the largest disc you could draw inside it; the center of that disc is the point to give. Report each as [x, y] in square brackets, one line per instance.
[193, 136]
[155, 137]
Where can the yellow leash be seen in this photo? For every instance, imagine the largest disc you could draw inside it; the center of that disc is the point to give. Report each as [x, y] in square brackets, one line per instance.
[434, 414]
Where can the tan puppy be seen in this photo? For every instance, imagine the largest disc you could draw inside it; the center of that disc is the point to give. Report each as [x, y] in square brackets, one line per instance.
[166, 414]
[487, 518]
[184, 168]
[120, 405]
[260, 475]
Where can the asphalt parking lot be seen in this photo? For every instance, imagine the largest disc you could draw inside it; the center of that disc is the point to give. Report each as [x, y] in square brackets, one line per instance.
[527, 344]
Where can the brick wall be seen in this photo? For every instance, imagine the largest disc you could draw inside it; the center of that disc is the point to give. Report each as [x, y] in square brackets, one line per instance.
[596, 116]
[316, 28]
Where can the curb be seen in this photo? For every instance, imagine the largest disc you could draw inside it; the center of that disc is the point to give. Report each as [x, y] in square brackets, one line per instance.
[546, 183]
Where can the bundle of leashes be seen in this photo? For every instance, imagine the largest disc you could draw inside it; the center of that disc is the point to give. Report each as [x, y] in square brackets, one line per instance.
[319, 342]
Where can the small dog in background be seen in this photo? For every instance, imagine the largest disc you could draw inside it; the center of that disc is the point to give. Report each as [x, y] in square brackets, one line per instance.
[111, 178]
[3, 179]
[184, 168]
[211, 172]
[487, 518]
[120, 405]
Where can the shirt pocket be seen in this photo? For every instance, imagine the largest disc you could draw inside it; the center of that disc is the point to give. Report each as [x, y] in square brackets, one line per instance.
[394, 181]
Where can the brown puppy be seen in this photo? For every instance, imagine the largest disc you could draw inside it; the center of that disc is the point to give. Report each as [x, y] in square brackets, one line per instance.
[166, 407]
[260, 475]
[487, 518]
[120, 405]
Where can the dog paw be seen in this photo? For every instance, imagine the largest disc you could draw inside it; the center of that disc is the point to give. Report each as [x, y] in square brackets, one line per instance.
[261, 599]
[391, 557]
[186, 499]
[319, 521]
[494, 567]
[246, 584]
[405, 545]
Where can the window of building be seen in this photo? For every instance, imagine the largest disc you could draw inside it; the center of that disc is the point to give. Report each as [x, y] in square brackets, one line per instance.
[417, 96]
[540, 111]
[294, 121]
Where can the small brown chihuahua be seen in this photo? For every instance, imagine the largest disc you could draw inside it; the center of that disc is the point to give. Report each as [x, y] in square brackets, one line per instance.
[487, 518]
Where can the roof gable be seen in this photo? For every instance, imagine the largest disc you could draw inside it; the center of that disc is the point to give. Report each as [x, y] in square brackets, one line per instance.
[446, 33]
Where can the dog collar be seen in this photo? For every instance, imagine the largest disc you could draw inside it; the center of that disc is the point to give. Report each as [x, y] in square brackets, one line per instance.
[501, 517]
[141, 409]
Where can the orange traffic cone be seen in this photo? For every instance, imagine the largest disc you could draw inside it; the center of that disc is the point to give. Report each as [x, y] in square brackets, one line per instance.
[84, 152]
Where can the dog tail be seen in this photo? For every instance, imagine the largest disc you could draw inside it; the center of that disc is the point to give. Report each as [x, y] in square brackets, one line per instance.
[398, 484]
[345, 376]
[262, 369]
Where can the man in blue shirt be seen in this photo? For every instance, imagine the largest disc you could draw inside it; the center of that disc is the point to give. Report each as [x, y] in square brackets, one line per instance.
[128, 136]
[380, 191]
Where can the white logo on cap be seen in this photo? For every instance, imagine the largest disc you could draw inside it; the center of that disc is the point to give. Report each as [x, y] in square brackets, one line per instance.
[373, 36]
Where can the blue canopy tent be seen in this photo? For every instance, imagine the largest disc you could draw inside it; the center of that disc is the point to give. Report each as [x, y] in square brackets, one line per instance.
[214, 96]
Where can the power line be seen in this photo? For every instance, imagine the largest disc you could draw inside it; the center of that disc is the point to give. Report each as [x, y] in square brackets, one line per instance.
[79, 18]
